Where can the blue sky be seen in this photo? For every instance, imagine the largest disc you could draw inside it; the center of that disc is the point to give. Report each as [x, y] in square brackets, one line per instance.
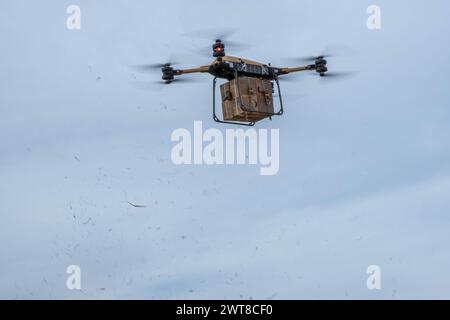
[364, 173]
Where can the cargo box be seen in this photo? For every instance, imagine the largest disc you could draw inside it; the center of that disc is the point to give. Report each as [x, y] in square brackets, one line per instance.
[256, 96]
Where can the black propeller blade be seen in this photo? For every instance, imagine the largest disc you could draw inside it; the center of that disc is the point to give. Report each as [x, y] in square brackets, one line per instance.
[334, 76]
[330, 76]
[307, 59]
[338, 74]
[153, 67]
[151, 85]
[182, 80]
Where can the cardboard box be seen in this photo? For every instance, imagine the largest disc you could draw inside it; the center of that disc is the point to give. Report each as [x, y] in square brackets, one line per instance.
[256, 95]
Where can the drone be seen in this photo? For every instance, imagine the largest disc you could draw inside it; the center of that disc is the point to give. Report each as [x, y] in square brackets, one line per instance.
[248, 91]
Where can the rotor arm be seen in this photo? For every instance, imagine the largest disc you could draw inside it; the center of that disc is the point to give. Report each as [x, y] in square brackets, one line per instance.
[320, 66]
[168, 73]
[296, 69]
[201, 69]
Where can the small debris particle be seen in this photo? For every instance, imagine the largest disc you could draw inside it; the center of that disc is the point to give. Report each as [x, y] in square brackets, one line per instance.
[136, 205]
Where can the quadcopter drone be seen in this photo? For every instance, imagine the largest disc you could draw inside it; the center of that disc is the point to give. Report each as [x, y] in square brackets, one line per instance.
[248, 91]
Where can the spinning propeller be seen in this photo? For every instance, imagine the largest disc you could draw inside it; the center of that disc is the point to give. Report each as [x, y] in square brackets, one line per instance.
[220, 39]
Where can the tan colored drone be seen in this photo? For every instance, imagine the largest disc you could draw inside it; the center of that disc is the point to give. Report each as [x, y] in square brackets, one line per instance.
[247, 94]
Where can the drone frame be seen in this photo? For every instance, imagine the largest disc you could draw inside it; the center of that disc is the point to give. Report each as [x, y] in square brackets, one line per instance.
[227, 67]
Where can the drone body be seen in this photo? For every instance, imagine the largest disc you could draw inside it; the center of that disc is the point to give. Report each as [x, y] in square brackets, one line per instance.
[247, 94]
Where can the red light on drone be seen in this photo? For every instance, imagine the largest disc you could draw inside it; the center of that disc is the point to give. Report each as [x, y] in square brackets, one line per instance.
[219, 49]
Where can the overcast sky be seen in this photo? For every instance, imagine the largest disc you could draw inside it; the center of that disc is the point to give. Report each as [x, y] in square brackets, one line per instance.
[364, 173]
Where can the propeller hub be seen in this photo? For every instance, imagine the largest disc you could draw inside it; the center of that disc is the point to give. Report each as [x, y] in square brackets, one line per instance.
[167, 73]
[321, 65]
[218, 49]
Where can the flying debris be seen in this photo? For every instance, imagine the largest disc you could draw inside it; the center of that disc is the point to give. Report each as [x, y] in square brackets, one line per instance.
[136, 205]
